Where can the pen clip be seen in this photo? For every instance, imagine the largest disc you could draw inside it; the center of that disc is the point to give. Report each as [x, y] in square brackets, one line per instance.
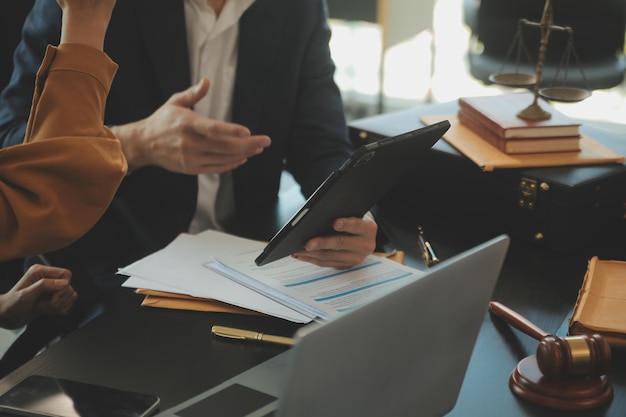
[428, 253]
[228, 332]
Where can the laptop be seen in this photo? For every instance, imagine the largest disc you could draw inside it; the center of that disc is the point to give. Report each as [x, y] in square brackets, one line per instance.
[353, 189]
[403, 354]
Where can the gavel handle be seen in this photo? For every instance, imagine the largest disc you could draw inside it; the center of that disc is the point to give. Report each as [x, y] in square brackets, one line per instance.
[516, 320]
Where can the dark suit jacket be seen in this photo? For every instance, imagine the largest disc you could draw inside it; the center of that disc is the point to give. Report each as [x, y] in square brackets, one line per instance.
[284, 88]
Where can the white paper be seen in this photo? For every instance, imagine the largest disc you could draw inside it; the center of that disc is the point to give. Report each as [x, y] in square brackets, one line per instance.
[312, 290]
[179, 268]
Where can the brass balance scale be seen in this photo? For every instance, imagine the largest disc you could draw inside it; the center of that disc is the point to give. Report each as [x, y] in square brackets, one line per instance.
[517, 79]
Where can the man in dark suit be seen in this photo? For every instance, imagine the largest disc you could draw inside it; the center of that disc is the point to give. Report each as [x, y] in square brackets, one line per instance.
[282, 111]
[11, 21]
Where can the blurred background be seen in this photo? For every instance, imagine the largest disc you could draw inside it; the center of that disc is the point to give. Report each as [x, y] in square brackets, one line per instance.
[426, 58]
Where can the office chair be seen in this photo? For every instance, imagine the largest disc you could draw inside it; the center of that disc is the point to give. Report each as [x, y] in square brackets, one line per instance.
[598, 41]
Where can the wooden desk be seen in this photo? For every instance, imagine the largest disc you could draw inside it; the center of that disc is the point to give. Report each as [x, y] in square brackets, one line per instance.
[541, 286]
[172, 354]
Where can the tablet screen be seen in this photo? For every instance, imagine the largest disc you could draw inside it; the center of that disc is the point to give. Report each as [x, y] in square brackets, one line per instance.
[39, 395]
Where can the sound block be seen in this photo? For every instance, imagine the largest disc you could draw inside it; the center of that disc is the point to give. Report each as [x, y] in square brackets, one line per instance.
[572, 394]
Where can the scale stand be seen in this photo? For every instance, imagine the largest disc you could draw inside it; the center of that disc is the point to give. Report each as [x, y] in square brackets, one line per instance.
[567, 94]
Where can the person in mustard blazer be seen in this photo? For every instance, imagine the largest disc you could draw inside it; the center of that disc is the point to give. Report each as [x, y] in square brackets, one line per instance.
[57, 183]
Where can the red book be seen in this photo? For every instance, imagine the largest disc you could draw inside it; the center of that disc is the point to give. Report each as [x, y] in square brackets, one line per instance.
[499, 114]
[520, 145]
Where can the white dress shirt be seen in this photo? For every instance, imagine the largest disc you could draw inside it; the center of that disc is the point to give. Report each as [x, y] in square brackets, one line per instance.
[212, 43]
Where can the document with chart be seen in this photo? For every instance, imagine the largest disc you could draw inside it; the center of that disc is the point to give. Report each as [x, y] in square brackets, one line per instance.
[318, 292]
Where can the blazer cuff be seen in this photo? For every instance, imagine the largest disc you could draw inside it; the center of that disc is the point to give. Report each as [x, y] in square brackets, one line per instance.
[81, 58]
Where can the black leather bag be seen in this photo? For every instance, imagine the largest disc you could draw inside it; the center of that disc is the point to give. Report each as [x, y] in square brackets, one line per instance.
[560, 208]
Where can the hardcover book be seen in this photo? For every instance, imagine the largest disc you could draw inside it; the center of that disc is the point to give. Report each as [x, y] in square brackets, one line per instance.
[519, 145]
[499, 114]
[601, 304]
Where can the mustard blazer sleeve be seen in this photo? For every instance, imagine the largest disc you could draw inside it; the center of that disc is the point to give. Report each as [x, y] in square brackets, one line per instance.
[57, 184]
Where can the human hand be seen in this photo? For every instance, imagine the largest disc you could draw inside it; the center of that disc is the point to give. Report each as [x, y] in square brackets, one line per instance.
[176, 138]
[42, 290]
[85, 21]
[355, 240]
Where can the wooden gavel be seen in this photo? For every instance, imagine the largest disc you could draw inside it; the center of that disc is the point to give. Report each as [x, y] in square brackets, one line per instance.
[561, 357]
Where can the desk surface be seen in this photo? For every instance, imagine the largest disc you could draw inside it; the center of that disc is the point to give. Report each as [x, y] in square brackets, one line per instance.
[172, 353]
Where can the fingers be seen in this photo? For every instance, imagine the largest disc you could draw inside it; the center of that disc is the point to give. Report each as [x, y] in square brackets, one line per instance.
[217, 159]
[228, 138]
[51, 296]
[223, 138]
[42, 289]
[219, 146]
[355, 241]
[49, 287]
[60, 301]
[180, 140]
[354, 235]
[37, 272]
[192, 95]
[45, 286]
[208, 128]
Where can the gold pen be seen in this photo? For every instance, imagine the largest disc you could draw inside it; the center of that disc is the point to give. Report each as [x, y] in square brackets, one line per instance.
[428, 253]
[232, 333]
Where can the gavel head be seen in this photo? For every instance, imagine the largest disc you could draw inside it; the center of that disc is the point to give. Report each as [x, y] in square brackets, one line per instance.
[573, 356]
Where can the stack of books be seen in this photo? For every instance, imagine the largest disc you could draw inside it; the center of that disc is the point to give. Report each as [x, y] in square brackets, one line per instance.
[494, 119]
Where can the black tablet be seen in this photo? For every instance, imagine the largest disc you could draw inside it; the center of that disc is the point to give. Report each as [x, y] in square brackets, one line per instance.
[353, 189]
[38, 395]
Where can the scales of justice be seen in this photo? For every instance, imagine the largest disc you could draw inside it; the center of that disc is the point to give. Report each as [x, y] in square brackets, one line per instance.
[562, 93]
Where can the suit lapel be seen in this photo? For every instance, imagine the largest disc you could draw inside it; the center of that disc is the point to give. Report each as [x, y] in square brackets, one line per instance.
[259, 37]
[162, 24]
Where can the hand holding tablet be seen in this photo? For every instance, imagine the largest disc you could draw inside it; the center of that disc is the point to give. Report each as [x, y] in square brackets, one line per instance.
[354, 189]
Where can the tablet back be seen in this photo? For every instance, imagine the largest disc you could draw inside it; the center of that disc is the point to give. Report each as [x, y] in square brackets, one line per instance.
[353, 189]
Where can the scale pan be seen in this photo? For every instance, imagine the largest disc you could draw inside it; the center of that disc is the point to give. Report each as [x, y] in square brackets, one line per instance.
[513, 79]
[566, 94]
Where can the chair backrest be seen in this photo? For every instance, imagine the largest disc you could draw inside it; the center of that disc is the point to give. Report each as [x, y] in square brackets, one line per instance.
[363, 10]
[599, 29]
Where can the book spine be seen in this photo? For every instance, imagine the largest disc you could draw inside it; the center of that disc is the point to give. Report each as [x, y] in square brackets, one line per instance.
[481, 118]
[481, 130]
[499, 113]
[519, 146]
[543, 146]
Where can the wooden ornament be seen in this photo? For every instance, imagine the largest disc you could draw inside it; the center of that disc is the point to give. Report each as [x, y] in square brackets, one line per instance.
[561, 357]
[572, 394]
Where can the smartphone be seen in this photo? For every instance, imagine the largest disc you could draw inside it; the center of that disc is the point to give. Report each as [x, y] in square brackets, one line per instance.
[38, 395]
